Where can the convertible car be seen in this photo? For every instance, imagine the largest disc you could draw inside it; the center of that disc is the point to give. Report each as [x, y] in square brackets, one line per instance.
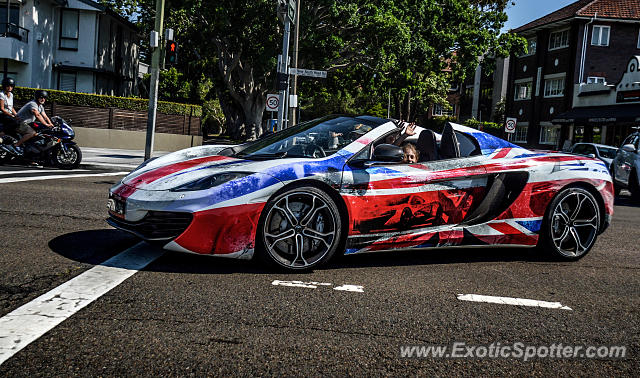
[339, 184]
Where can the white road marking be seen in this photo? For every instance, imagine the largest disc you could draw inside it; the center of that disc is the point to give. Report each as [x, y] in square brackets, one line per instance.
[314, 285]
[308, 285]
[5, 173]
[354, 288]
[24, 325]
[114, 164]
[512, 301]
[52, 177]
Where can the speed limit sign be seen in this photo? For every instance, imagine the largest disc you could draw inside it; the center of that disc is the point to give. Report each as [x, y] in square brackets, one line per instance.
[510, 125]
[273, 102]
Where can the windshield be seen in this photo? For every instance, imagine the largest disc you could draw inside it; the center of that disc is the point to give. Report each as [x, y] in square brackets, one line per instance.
[313, 139]
[606, 152]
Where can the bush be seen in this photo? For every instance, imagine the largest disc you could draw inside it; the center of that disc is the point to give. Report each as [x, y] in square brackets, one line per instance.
[488, 127]
[24, 94]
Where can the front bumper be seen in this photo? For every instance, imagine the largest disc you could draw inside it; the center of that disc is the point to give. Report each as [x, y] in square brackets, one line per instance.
[155, 225]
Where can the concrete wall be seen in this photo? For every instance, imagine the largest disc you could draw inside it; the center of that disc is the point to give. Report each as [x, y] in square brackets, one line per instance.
[132, 140]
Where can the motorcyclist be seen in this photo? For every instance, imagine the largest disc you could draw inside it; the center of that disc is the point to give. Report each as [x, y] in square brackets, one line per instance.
[8, 122]
[29, 113]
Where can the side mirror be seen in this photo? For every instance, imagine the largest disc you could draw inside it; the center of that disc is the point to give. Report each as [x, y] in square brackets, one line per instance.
[388, 153]
[593, 156]
[629, 148]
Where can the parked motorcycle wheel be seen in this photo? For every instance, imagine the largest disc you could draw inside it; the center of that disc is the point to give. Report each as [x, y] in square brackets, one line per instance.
[69, 160]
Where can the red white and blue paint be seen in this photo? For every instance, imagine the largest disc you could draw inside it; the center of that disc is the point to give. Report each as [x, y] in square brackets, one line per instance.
[387, 205]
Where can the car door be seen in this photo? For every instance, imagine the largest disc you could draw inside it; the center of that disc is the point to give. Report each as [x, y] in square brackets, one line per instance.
[397, 198]
[625, 162]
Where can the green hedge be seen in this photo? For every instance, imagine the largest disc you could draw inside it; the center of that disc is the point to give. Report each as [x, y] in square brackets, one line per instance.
[101, 101]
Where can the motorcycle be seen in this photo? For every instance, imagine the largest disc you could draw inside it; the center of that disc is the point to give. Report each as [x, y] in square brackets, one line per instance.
[50, 147]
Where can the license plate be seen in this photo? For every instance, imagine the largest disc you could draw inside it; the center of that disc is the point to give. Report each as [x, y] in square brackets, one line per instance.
[116, 206]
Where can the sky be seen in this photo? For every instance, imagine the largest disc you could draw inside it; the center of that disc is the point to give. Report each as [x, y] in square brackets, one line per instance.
[525, 11]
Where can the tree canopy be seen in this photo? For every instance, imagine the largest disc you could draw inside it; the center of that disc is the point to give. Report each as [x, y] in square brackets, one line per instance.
[411, 49]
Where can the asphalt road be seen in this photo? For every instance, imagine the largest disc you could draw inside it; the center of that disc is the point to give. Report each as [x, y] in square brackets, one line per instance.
[194, 315]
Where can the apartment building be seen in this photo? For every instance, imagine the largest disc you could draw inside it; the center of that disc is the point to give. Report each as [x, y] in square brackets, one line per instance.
[72, 45]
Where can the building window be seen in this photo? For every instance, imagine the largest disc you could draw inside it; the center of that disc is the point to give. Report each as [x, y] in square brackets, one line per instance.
[439, 110]
[549, 134]
[554, 87]
[520, 136]
[639, 39]
[596, 79]
[69, 20]
[523, 90]
[559, 39]
[600, 35]
[67, 81]
[531, 47]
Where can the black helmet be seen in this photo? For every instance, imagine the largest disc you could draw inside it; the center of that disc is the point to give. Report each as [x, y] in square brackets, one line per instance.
[41, 94]
[8, 82]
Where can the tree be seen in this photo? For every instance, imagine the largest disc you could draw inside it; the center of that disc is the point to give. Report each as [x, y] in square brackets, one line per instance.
[368, 47]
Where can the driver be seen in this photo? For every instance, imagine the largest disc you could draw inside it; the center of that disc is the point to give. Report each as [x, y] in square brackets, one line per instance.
[29, 113]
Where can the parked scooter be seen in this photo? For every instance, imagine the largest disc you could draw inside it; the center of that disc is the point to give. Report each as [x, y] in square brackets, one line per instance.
[50, 147]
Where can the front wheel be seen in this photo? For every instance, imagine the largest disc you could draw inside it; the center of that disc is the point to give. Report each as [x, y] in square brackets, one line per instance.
[571, 224]
[299, 229]
[67, 160]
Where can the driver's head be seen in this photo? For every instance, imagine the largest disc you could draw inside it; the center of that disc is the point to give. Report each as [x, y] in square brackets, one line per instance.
[411, 154]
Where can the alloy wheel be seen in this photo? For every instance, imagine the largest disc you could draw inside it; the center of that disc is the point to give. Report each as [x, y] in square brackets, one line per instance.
[574, 224]
[300, 229]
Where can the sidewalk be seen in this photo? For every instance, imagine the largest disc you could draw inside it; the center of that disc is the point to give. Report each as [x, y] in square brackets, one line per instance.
[116, 158]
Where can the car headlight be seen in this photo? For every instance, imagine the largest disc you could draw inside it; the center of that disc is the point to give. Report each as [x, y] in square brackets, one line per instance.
[209, 181]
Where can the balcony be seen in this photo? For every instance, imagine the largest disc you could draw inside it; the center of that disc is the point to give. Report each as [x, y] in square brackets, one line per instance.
[14, 31]
[13, 42]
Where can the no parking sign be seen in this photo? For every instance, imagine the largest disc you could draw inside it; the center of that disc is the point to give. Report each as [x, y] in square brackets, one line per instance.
[510, 125]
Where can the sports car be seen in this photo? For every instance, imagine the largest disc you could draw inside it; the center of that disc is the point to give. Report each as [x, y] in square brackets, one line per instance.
[341, 185]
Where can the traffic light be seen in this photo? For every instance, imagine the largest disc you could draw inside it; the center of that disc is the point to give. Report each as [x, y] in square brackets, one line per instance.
[171, 54]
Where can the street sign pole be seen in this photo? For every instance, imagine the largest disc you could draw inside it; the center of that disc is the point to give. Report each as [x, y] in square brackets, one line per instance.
[155, 75]
[283, 68]
[295, 59]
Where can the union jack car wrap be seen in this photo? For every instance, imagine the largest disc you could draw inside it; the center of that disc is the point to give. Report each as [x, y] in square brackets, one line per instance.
[301, 195]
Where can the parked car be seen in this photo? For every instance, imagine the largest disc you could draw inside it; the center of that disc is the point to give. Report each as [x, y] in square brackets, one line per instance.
[600, 151]
[299, 196]
[625, 169]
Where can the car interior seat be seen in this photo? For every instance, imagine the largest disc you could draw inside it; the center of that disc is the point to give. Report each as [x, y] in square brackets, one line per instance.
[427, 145]
[449, 147]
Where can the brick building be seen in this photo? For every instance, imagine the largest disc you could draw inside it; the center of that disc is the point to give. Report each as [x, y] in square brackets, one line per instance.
[577, 52]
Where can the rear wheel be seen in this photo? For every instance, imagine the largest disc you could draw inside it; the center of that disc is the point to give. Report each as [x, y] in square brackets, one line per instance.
[299, 229]
[570, 227]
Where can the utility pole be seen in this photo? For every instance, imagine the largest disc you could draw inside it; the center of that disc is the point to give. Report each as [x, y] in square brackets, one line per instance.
[155, 75]
[284, 70]
[295, 60]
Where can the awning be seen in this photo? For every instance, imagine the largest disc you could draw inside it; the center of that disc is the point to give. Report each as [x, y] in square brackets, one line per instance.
[600, 114]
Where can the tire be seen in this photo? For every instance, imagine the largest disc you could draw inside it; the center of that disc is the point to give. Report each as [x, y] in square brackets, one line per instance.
[70, 160]
[634, 186]
[616, 186]
[299, 229]
[571, 224]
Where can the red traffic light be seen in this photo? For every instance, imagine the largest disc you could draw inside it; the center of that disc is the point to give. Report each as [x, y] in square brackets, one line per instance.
[171, 52]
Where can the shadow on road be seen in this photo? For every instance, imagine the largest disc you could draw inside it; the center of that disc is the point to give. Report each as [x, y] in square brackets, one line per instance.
[96, 246]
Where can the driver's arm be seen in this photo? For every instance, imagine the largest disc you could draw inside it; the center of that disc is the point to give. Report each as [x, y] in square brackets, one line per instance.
[41, 119]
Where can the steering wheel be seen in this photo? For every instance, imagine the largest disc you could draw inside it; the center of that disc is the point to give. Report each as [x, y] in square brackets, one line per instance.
[315, 151]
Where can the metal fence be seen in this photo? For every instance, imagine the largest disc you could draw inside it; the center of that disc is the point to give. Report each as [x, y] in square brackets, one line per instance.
[121, 119]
